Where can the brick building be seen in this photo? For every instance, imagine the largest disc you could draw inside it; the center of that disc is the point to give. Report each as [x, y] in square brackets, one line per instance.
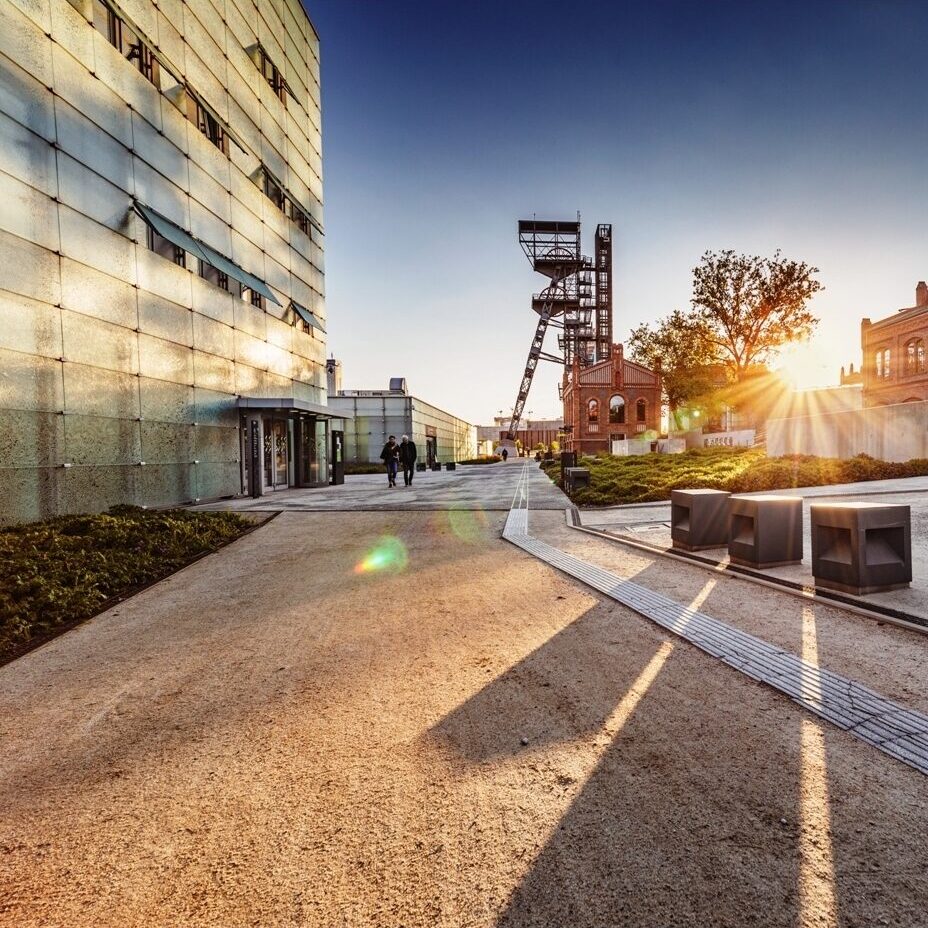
[610, 401]
[895, 363]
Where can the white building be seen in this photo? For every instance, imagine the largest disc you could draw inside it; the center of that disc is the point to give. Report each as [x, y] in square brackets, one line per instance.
[372, 416]
[161, 234]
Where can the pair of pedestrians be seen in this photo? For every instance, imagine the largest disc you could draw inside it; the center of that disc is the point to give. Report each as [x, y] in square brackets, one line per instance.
[394, 454]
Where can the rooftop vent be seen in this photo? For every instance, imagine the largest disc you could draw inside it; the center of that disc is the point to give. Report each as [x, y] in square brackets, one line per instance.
[398, 385]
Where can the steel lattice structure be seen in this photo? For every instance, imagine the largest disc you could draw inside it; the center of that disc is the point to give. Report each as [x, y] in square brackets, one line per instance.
[553, 248]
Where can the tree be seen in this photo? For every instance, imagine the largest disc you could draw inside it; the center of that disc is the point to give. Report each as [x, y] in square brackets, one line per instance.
[751, 306]
[683, 347]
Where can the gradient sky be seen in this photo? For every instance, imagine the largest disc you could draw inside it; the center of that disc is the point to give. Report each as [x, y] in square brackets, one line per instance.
[689, 126]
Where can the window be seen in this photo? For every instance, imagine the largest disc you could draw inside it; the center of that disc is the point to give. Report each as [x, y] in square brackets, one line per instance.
[617, 409]
[206, 123]
[272, 75]
[166, 248]
[915, 356]
[300, 218]
[219, 278]
[641, 411]
[126, 42]
[274, 192]
[253, 297]
[592, 411]
[883, 364]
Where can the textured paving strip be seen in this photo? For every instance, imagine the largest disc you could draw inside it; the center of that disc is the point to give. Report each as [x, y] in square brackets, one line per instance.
[895, 730]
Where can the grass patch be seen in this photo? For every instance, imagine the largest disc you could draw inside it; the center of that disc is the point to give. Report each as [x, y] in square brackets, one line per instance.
[353, 468]
[55, 573]
[651, 477]
[483, 459]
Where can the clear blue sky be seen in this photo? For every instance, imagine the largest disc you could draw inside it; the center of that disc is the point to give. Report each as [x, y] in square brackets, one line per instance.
[689, 126]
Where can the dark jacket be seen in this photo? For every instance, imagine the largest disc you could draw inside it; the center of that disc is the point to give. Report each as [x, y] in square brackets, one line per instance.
[407, 453]
[389, 451]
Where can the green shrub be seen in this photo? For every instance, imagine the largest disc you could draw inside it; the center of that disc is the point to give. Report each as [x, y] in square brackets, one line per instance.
[353, 468]
[60, 571]
[651, 477]
[483, 459]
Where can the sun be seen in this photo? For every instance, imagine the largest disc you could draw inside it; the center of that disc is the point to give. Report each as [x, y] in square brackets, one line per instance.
[803, 365]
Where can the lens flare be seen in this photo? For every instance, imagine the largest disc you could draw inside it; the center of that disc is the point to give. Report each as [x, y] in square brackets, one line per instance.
[468, 525]
[388, 554]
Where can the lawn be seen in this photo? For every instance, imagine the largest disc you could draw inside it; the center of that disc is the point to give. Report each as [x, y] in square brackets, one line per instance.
[55, 573]
[651, 477]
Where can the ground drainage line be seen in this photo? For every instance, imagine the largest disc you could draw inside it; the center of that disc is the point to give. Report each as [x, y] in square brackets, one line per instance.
[838, 700]
[807, 593]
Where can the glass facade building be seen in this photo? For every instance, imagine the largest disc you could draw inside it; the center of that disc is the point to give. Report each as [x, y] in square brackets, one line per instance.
[162, 302]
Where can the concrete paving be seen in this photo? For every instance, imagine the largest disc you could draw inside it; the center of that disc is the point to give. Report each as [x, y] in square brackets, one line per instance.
[651, 523]
[381, 718]
[487, 487]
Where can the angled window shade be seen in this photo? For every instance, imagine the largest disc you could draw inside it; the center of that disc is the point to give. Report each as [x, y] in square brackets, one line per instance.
[174, 233]
[307, 316]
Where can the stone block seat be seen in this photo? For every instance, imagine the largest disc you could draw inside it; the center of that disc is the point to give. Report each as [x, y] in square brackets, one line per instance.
[765, 531]
[861, 547]
[699, 519]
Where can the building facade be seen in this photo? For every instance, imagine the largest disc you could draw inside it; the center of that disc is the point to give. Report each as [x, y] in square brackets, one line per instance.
[162, 317]
[372, 416]
[531, 433]
[608, 402]
[895, 363]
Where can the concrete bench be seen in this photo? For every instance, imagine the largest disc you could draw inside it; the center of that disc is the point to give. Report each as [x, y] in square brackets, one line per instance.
[576, 477]
[420, 466]
[450, 466]
[861, 547]
[765, 531]
[699, 519]
[436, 466]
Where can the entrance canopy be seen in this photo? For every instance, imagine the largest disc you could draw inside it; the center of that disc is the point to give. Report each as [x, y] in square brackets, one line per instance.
[289, 405]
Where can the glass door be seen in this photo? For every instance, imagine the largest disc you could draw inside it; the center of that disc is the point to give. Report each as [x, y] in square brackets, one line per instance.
[276, 453]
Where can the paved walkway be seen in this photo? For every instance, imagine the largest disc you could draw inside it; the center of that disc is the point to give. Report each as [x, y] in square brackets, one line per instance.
[376, 718]
[900, 732]
[478, 486]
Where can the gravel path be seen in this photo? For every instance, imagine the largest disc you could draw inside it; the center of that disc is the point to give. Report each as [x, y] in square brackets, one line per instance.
[274, 738]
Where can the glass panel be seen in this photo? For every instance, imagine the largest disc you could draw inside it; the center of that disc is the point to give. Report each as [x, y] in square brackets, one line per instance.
[322, 451]
[268, 452]
[280, 452]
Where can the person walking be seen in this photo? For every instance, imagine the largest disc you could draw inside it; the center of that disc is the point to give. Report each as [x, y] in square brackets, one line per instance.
[390, 457]
[407, 455]
[505, 454]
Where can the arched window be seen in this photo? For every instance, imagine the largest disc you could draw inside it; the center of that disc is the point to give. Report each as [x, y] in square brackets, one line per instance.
[883, 364]
[592, 411]
[915, 356]
[641, 411]
[617, 409]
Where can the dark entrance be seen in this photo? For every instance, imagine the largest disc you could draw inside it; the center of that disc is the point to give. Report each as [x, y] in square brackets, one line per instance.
[338, 456]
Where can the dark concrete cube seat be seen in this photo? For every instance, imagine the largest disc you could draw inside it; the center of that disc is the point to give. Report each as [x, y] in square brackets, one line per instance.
[576, 477]
[450, 466]
[765, 531]
[699, 519]
[861, 547]
[436, 466]
[420, 465]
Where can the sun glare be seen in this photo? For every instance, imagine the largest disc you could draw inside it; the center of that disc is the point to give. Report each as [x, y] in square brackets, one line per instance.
[803, 365]
[388, 554]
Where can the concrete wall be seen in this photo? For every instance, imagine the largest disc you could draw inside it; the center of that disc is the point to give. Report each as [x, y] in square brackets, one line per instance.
[889, 433]
[111, 354]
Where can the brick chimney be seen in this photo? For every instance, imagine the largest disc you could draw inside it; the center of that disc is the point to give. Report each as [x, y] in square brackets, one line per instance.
[921, 294]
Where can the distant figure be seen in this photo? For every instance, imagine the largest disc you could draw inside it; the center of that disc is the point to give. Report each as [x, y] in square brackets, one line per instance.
[390, 457]
[505, 454]
[408, 459]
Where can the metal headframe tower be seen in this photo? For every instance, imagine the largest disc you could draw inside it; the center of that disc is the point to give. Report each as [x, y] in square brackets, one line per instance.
[567, 302]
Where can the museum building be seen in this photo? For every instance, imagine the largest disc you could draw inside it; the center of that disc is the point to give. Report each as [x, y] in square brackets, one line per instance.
[895, 364]
[162, 321]
[610, 401]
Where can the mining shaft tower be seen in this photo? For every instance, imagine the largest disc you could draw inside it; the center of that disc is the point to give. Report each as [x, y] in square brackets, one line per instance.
[577, 299]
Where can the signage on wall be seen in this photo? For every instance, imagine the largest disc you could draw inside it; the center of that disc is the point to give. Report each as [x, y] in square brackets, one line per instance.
[254, 453]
